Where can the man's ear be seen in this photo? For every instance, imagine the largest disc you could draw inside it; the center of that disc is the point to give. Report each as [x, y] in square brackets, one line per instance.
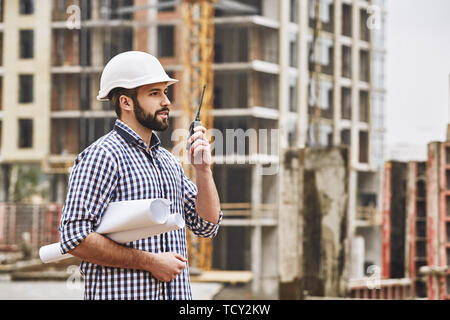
[126, 103]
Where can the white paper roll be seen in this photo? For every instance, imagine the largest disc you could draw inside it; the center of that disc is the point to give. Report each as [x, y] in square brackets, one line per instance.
[127, 221]
[128, 215]
[51, 253]
[174, 222]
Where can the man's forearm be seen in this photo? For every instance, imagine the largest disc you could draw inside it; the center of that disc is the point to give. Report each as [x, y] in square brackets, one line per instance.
[100, 250]
[207, 203]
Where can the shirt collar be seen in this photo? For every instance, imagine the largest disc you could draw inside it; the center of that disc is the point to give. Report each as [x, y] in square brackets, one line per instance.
[130, 136]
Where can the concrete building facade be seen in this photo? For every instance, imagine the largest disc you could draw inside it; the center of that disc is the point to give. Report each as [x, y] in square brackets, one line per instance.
[265, 79]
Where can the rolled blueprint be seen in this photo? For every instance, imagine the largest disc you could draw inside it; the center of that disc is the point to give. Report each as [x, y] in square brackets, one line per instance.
[174, 222]
[139, 218]
[132, 214]
[52, 253]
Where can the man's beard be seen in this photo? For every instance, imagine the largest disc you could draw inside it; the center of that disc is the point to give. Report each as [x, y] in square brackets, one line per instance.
[150, 121]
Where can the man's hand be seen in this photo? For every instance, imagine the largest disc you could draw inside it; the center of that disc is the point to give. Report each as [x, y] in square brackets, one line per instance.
[100, 250]
[200, 151]
[166, 266]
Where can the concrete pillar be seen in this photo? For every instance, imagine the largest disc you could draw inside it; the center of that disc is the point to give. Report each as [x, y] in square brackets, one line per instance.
[302, 75]
[269, 269]
[256, 241]
[337, 66]
[355, 82]
[357, 261]
[256, 262]
[354, 149]
[153, 28]
[283, 82]
[290, 233]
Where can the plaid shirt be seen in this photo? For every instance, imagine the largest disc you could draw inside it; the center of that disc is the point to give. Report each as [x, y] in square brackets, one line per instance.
[118, 167]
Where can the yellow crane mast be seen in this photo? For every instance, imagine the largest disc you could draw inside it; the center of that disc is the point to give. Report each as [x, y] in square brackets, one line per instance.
[198, 59]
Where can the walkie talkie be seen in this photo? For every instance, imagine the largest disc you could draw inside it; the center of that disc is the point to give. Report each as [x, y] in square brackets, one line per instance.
[196, 122]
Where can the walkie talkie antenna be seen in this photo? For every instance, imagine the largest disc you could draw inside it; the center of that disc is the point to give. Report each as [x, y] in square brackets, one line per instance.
[197, 117]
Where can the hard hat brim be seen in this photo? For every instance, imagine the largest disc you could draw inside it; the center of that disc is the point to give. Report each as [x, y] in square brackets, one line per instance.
[103, 94]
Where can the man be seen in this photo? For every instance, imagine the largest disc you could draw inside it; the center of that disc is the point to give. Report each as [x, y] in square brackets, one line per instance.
[128, 164]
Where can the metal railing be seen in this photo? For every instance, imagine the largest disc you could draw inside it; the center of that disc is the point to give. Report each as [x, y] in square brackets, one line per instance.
[40, 221]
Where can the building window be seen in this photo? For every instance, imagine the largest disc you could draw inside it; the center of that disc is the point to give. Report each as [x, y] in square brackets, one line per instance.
[165, 6]
[346, 62]
[364, 106]
[364, 65]
[364, 31]
[166, 41]
[347, 20]
[25, 88]
[26, 6]
[26, 44]
[25, 133]
[346, 103]
[293, 98]
[294, 11]
[346, 137]
[293, 51]
[363, 147]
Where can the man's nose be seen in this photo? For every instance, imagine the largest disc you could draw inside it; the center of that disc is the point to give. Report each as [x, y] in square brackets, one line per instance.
[165, 101]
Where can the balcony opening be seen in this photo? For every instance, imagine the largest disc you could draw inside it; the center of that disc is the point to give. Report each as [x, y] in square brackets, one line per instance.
[25, 134]
[26, 88]
[363, 147]
[422, 210]
[231, 44]
[226, 82]
[347, 20]
[166, 6]
[26, 7]
[324, 106]
[85, 47]
[364, 106]
[26, 44]
[117, 41]
[364, 30]
[166, 41]
[346, 137]
[364, 66]
[346, 62]
[65, 135]
[326, 14]
[346, 103]
[293, 98]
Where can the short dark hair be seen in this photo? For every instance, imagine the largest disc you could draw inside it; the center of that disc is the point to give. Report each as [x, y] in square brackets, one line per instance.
[115, 94]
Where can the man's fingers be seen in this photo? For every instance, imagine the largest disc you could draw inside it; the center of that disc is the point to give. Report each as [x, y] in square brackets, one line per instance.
[197, 135]
[180, 257]
[199, 142]
[200, 128]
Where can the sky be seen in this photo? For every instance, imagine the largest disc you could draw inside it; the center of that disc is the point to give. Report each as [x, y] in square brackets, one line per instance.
[417, 71]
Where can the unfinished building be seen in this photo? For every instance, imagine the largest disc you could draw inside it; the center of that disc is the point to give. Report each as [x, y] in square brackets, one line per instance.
[415, 223]
[264, 79]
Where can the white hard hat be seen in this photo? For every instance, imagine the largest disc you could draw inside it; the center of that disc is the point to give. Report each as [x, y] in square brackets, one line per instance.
[129, 70]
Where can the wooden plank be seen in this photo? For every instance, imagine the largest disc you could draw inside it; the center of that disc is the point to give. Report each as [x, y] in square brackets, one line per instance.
[223, 276]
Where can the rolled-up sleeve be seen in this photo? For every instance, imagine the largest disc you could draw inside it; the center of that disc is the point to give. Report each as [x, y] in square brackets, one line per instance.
[91, 183]
[199, 226]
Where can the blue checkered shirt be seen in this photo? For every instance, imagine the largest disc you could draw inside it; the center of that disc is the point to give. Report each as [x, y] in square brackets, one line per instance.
[118, 167]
